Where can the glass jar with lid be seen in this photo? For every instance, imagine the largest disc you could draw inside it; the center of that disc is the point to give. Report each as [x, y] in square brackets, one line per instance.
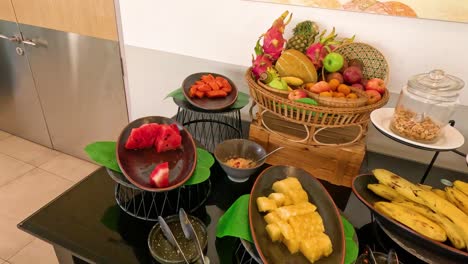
[425, 105]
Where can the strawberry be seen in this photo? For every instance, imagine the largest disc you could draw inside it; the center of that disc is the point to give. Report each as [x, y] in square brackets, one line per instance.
[160, 175]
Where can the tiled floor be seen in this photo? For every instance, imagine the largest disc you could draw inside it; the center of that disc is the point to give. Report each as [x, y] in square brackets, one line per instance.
[30, 176]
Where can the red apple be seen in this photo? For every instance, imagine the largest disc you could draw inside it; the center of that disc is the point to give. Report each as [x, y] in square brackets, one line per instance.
[376, 84]
[297, 94]
[319, 87]
[374, 96]
[335, 75]
[358, 85]
[352, 75]
[356, 62]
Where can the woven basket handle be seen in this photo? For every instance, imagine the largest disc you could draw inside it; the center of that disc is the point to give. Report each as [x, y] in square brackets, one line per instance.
[359, 136]
[251, 110]
[278, 134]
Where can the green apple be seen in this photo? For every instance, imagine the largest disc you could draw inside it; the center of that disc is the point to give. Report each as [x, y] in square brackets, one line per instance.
[333, 62]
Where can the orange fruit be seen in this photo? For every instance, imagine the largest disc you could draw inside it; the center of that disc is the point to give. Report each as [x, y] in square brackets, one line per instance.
[334, 83]
[352, 96]
[343, 88]
[326, 94]
[338, 95]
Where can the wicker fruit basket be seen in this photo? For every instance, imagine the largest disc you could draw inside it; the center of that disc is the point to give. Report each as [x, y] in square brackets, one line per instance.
[307, 114]
[327, 115]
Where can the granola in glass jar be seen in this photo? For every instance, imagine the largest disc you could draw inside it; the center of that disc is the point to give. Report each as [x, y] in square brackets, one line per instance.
[407, 124]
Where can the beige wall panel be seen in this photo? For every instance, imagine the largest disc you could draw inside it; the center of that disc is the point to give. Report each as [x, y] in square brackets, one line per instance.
[94, 18]
[6, 11]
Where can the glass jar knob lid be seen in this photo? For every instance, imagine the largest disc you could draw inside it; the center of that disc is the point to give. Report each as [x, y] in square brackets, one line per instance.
[436, 80]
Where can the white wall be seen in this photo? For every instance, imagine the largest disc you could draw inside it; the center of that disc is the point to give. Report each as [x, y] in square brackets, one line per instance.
[228, 33]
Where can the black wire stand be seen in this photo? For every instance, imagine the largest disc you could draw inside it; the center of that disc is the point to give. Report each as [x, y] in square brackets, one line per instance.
[149, 205]
[436, 154]
[209, 127]
[246, 253]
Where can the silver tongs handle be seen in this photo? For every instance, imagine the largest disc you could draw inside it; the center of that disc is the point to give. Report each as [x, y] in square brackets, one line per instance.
[190, 233]
[170, 236]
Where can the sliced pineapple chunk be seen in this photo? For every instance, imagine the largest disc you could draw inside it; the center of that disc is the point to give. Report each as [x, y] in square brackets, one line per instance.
[292, 245]
[274, 232]
[316, 247]
[278, 198]
[264, 204]
[272, 218]
[297, 209]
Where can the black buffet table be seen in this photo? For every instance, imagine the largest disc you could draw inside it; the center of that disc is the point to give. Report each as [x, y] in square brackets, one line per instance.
[85, 224]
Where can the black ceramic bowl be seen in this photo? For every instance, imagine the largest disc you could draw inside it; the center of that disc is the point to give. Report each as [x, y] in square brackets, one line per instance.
[419, 243]
[272, 253]
[239, 148]
[209, 104]
[165, 253]
[137, 165]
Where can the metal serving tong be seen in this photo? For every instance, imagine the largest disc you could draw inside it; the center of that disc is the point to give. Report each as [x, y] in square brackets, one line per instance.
[392, 257]
[190, 233]
[170, 237]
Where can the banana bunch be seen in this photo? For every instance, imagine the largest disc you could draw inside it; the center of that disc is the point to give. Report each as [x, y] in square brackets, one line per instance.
[434, 213]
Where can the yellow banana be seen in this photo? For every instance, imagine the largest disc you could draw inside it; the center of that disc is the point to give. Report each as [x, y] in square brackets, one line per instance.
[385, 192]
[462, 186]
[413, 220]
[439, 192]
[294, 81]
[457, 198]
[427, 198]
[425, 187]
[453, 232]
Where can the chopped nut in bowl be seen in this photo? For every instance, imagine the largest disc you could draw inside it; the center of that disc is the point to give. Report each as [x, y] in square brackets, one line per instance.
[408, 124]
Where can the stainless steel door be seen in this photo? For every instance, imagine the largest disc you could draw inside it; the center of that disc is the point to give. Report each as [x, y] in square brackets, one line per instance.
[80, 83]
[20, 109]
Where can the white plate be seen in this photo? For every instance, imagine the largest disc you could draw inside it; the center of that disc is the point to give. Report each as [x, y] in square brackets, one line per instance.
[450, 139]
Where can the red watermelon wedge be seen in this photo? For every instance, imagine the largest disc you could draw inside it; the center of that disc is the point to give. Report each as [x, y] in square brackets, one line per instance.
[160, 175]
[168, 139]
[143, 136]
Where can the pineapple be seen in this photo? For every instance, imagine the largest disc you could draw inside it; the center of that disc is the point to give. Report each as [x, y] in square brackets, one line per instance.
[304, 35]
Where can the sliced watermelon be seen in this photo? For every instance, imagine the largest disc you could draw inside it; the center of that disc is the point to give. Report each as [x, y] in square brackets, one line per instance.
[168, 139]
[143, 136]
[160, 175]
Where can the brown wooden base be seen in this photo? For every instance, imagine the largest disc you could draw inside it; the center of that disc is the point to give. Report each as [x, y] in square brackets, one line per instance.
[335, 164]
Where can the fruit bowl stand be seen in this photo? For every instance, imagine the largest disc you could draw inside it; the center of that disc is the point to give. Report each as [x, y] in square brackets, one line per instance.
[148, 205]
[327, 142]
[209, 127]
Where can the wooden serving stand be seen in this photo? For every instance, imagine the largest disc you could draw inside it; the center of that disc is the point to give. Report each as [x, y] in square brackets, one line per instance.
[332, 159]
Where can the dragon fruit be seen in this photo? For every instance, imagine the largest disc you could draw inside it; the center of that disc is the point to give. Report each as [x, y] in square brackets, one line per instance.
[273, 40]
[260, 65]
[317, 51]
[273, 45]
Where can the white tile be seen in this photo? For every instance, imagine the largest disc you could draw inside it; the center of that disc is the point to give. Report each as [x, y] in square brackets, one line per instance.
[69, 167]
[26, 151]
[37, 252]
[12, 239]
[28, 193]
[4, 134]
[11, 168]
